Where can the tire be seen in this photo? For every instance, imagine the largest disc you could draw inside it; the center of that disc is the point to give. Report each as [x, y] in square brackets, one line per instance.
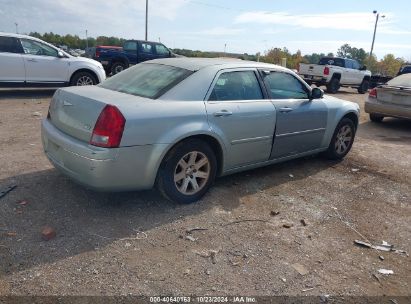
[365, 84]
[376, 117]
[342, 140]
[333, 86]
[177, 178]
[83, 78]
[118, 67]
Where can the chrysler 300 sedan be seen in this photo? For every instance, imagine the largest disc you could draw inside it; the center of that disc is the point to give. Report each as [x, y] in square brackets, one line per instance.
[179, 123]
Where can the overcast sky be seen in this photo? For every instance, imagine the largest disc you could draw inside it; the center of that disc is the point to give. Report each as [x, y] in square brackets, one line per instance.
[245, 26]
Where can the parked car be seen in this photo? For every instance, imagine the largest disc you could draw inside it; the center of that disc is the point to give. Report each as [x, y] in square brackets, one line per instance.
[334, 72]
[390, 100]
[28, 61]
[133, 52]
[404, 69]
[178, 123]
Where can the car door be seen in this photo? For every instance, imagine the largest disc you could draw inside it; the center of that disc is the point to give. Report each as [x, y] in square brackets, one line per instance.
[146, 51]
[301, 122]
[238, 112]
[357, 73]
[11, 61]
[43, 63]
[130, 48]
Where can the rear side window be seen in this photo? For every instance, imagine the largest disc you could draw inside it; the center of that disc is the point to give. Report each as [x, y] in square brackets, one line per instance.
[242, 85]
[130, 46]
[348, 64]
[285, 86]
[9, 45]
[146, 80]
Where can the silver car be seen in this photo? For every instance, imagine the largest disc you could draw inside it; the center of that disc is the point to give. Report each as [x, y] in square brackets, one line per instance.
[178, 123]
[390, 100]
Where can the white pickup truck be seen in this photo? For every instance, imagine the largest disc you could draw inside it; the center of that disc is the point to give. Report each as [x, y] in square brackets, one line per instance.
[336, 72]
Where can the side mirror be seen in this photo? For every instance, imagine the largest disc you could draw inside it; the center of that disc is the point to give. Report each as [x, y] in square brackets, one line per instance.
[60, 54]
[363, 68]
[316, 93]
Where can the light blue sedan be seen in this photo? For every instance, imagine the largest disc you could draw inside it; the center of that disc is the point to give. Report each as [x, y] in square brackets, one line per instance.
[179, 123]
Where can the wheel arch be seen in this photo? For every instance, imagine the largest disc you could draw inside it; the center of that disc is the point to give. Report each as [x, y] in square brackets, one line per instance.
[353, 116]
[336, 76]
[212, 141]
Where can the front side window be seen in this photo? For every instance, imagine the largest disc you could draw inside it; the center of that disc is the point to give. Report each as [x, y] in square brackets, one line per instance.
[146, 80]
[146, 48]
[242, 85]
[161, 50]
[37, 48]
[8, 45]
[285, 86]
[355, 65]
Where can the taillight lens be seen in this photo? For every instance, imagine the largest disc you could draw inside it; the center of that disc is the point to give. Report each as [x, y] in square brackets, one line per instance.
[97, 53]
[373, 93]
[326, 71]
[109, 128]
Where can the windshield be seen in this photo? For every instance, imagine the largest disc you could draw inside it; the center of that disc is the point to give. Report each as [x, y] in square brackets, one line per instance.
[401, 81]
[146, 80]
[332, 61]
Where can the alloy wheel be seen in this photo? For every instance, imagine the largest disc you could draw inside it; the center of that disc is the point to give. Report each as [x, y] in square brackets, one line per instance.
[192, 173]
[84, 80]
[343, 139]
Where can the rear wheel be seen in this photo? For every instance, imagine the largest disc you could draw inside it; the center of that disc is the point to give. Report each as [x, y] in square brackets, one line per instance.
[342, 139]
[83, 79]
[365, 84]
[187, 172]
[118, 67]
[333, 86]
[376, 117]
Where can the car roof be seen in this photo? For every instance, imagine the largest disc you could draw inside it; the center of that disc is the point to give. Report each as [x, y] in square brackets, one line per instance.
[195, 64]
[16, 35]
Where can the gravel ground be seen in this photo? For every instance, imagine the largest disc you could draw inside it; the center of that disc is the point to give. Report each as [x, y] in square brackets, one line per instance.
[138, 243]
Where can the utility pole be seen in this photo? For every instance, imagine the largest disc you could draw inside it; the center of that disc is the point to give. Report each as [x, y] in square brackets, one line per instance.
[17, 27]
[146, 18]
[377, 16]
[86, 40]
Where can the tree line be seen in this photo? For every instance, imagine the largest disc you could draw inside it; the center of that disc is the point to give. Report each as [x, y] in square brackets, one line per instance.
[388, 65]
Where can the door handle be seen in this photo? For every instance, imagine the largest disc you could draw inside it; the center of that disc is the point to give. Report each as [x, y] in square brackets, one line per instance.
[32, 60]
[285, 110]
[222, 113]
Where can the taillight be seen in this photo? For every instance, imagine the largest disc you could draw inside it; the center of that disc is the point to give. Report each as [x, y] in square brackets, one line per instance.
[109, 128]
[373, 93]
[326, 71]
[97, 53]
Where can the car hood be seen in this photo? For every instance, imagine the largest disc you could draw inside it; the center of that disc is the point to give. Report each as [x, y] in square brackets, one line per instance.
[85, 60]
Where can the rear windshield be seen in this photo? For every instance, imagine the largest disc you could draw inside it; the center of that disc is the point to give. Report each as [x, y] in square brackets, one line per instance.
[147, 80]
[332, 61]
[401, 81]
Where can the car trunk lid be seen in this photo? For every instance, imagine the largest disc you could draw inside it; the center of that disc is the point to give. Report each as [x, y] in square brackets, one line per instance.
[394, 95]
[75, 110]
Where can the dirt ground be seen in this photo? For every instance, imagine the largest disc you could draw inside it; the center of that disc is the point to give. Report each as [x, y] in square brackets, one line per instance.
[140, 244]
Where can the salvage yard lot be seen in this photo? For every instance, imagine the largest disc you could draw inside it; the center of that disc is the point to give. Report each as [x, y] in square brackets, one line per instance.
[139, 243]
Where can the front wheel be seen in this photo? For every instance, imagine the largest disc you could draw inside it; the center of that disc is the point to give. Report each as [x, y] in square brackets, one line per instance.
[83, 79]
[342, 140]
[187, 172]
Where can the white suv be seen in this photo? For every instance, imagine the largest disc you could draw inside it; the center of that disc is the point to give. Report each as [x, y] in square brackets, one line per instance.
[28, 61]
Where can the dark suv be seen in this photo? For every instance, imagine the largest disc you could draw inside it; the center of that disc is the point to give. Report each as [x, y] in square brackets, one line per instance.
[133, 52]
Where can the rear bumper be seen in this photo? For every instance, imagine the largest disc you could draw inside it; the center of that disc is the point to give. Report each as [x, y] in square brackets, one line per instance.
[385, 109]
[102, 169]
[315, 79]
